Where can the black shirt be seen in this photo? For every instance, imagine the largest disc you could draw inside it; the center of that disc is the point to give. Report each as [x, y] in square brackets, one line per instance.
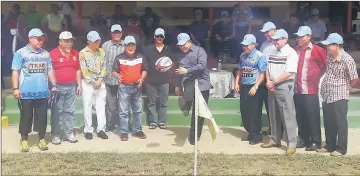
[152, 55]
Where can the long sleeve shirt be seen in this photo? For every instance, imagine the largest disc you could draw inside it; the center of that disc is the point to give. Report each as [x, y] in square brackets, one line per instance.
[93, 67]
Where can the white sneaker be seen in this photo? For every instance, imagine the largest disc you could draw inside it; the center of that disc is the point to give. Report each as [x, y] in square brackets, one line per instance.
[56, 141]
[71, 138]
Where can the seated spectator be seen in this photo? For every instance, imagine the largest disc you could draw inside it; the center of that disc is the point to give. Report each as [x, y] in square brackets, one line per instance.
[118, 17]
[66, 8]
[317, 26]
[134, 29]
[200, 31]
[223, 31]
[150, 21]
[10, 19]
[33, 17]
[53, 23]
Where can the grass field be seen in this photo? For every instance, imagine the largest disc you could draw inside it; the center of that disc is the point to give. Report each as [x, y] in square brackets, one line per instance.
[176, 164]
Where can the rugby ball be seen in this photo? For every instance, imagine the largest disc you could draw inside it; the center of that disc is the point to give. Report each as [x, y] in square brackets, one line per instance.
[163, 64]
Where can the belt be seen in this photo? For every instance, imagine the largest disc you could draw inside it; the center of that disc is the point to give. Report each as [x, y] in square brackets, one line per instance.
[247, 85]
[130, 84]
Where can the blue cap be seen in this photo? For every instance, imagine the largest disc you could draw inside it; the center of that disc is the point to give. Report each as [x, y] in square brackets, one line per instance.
[333, 38]
[314, 11]
[281, 33]
[267, 26]
[248, 39]
[116, 27]
[36, 32]
[129, 39]
[183, 38]
[93, 36]
[159, 31]
[304, 30]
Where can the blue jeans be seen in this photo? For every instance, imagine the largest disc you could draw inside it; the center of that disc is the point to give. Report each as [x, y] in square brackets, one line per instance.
[130, 97]
[63, 111]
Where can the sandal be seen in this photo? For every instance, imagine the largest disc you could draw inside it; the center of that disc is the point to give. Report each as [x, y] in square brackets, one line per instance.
[152, 126]
[162, 126]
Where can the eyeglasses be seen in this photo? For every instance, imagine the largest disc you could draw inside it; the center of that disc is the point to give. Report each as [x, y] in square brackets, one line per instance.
[159, 36]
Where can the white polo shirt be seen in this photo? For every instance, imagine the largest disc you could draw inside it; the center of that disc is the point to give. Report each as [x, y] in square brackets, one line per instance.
[266, 48]
[283, 60]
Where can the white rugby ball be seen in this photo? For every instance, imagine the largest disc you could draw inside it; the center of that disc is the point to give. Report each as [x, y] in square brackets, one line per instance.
[163, 64]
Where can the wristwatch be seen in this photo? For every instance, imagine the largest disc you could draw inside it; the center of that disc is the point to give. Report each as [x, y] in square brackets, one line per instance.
[256, 87]
[15, 88]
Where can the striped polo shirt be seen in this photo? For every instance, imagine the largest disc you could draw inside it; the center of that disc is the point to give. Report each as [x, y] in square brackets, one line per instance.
[283, 60]
[111, 51]
[130, 68]
[312, 63]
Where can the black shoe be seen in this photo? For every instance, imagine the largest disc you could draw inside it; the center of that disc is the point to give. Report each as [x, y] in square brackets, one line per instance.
[267, 132]
[88, 136]
[140, 135]
[182, 105]
[124, 136]
[301, 144]
[312, 147]
[245, 139]
[102, 135]
[254, 142]
[109, 128]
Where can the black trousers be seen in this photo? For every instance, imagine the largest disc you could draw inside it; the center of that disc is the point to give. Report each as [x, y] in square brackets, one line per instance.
[308, 118]
[336, 126]
[263, 95]
[251, 112]
[189, 96]
[33, 110]
[112, 106]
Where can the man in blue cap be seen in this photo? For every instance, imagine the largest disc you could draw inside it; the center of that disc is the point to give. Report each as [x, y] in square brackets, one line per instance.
[112, 48]
[93, 68]
[31, 69]
[317, 26]
[130, 68]
[311, 65]
[280, 75]
[157, 86]
[340, 76]
[251, 73]
[192, 65]
[266, 48]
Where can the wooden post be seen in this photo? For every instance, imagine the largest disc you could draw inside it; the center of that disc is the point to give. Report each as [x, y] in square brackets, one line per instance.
[211, 18]
[349, 18]
[79, 15]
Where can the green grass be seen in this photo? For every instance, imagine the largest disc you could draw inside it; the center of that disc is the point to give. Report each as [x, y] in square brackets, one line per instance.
[175, 164]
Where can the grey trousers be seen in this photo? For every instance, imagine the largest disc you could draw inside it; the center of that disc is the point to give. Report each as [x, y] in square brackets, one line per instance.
[63, 111]
[157, 93]
[112, 106]
[282, 110]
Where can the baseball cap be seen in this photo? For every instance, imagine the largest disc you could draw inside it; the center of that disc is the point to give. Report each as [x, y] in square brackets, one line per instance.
[281, 33]
[129, 39]
[224, 13]
[116, 27]
[65, 35]
[182, 38]
[93, 36]
[248, 39]
[314, 11]
[333, 38]
[159, 31]
[304, 30]
[36, 32]
[267, 26]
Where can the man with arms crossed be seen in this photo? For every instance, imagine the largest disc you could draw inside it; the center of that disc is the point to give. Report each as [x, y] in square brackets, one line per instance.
[93, 69]
[157, 82]
[280, 75]
[311, 65]
[66, 65]
[130, 68]
[252, 68]
[31, 69]
[112, 48]
[192, 65]
[340, 76]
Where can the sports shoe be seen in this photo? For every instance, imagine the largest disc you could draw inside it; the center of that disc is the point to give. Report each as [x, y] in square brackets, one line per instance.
[71, 138]
[42, 145]
[124, 136]
[140, 135]
[56, 141]
[24, 146]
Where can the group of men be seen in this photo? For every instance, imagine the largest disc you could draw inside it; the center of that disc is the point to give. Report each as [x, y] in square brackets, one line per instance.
[109, 78]
[291, 78]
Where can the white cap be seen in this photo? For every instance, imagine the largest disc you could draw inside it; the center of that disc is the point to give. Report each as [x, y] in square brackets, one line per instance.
[66, 35]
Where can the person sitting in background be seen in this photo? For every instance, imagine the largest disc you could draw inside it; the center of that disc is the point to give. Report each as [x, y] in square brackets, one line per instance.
[66, 8]
[150, 21]
[223, 31]
[10, 19]
[199, 31]
[33, 17]
[292, 27]
[134, 29]
[99, 23]
[54, 22]
[118, 17]
[317, 26]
